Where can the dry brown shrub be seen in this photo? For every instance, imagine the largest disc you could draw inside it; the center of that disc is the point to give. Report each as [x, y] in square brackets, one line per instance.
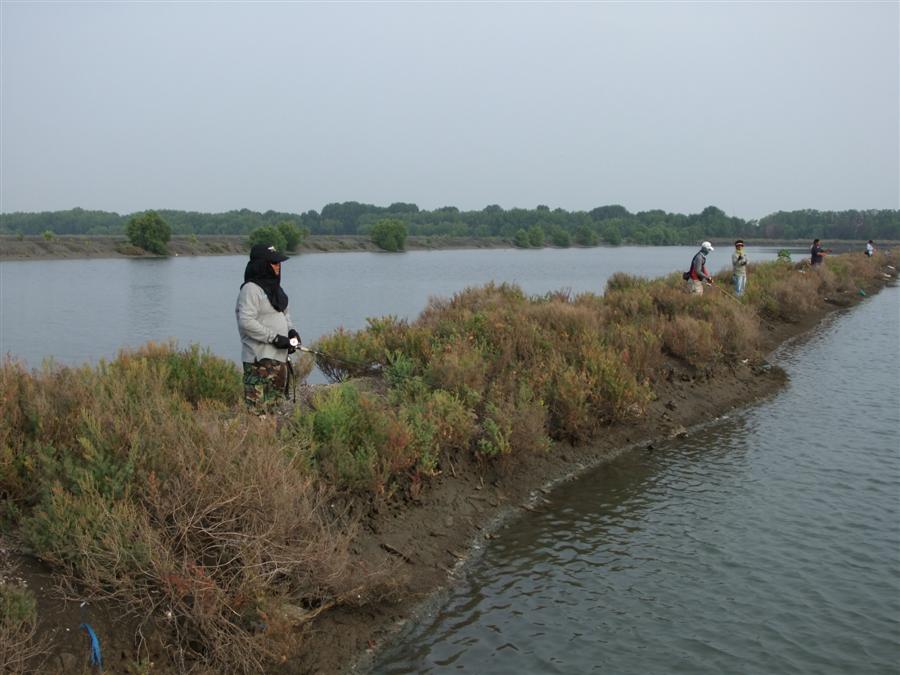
[671, 301]
[737, 328]
[691, 340]
[241, 529]
[639, 347]
[461, 368]
[22, 649]
[570, 414]
[563, 320]
[799, 294]
[224, 529]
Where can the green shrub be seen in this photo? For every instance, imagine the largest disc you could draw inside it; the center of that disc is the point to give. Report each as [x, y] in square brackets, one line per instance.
[521, 239]
[358, 442]
[389, 234]
[49, 235]
[560, 237]
[585, 236]
[194, 373]
[149, 232]
[536, 236]
[268, 235]
[98, 539]
[292, 234]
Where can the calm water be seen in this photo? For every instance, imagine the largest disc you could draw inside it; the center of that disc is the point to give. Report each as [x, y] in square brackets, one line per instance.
[767, 543]
[81, 310]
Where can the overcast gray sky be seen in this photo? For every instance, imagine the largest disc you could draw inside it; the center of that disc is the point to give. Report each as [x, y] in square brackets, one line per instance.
[752, 107]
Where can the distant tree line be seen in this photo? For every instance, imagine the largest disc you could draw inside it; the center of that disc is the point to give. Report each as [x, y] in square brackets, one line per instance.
[612, 224]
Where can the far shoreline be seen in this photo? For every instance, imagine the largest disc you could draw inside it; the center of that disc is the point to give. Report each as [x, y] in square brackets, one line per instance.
[87, 247]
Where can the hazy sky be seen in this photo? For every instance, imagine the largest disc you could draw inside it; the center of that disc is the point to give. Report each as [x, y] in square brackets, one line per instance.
[753, 107]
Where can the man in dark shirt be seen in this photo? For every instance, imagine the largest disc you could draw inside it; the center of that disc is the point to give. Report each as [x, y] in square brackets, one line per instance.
[817, 253]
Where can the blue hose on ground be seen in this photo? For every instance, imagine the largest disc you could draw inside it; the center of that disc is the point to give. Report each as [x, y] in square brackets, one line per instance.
[96, 656]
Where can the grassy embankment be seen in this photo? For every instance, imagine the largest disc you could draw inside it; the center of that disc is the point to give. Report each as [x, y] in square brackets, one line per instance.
[144, 482]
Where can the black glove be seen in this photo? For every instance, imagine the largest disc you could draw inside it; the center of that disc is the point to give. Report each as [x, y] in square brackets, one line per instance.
[292, 333]
[281, 342]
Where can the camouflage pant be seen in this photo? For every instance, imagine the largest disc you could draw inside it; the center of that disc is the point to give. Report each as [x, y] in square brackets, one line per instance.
[265, 383]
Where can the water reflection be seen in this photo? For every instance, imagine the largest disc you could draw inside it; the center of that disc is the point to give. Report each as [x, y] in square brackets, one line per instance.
[150, 289]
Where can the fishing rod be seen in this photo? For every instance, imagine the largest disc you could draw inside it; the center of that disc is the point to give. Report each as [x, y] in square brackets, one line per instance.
[730, 295]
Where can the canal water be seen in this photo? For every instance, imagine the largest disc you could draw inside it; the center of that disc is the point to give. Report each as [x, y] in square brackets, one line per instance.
[77, 311]
[766, 542]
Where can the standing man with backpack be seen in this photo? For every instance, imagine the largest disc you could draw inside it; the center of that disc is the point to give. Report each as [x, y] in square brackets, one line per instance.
[698, 274]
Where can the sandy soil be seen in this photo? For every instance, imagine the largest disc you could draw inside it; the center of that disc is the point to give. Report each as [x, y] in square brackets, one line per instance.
[431, 538]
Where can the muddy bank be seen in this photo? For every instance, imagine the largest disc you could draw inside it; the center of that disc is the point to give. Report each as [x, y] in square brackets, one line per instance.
[102, 246]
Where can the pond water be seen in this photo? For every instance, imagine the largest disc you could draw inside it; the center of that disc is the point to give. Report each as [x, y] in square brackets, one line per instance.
[767, 542]
[79, 311]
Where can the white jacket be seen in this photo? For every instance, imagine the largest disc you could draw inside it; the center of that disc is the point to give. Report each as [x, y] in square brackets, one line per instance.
[258, 324]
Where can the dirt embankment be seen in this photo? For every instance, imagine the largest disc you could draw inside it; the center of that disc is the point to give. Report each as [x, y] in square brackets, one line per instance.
[431, 537]
[83, 246]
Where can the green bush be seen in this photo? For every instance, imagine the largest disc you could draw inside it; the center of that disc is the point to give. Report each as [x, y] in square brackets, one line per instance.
[194, 373]
[585, 236]
[149, 232]
[536, 236]
[521, 239]
[270, 236]
[560, 237]
[358, 441]
[389, 234]
[292, 234]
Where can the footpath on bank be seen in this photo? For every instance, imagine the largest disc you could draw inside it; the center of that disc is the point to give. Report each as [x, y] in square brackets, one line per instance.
[204, 538]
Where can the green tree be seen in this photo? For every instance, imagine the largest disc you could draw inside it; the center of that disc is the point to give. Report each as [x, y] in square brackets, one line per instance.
[612, 234]
[536, 236]
[585, 236]
[270, 236]
[149, 232]
[293, 235]
[560, 237]
[521, 238]
[389, 234]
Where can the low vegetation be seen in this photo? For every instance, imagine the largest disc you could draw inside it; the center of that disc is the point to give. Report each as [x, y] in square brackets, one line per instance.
[144, 481]
[21, 648]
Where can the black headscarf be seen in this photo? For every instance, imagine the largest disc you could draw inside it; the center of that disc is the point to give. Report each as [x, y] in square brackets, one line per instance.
[259, 271]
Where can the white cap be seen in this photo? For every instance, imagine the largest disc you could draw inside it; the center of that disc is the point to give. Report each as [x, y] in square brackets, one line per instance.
[707, 246]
